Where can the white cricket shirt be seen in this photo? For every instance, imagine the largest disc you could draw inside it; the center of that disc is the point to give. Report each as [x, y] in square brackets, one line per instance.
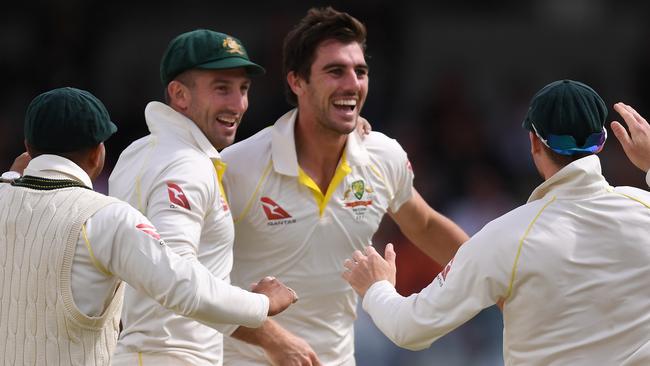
[572, 264]
[171, 177]
[286, 227]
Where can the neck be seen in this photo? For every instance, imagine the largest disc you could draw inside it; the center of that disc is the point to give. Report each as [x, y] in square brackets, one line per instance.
[319, 150]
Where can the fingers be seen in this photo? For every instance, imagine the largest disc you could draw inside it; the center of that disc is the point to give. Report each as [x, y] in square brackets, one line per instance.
[370, 250]
[621, 134]
[358, 256]
[295, 295]
[636, 114]
[389, 254]
[632, 118]
[314, 360]
[348, 263]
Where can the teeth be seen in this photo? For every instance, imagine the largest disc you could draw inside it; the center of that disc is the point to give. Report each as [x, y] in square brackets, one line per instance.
[227, 119]
[346, 102]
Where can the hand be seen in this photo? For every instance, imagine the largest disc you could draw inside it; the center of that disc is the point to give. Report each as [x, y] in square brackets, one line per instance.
[363, 127]
[280, 296]
[364, 270]
[636, 144]
[20, 163]
[292, 351]
[280, 346]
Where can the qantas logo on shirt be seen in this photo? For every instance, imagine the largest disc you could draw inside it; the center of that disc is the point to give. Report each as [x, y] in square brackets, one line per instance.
[276, 214]
[149, 230]
[442, 276]
[272, 210]
[177, 196]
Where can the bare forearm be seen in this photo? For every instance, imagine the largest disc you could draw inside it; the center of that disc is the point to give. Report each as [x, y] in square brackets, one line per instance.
[263, 336]
[439, 239]
[280, 345]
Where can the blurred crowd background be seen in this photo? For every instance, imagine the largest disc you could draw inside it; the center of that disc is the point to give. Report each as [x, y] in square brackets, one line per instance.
[449, 80]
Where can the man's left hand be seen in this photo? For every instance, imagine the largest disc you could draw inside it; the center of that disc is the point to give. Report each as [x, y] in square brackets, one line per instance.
[363, 127]
[364, 270]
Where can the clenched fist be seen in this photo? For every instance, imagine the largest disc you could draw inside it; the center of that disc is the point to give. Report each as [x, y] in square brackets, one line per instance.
[280, 296]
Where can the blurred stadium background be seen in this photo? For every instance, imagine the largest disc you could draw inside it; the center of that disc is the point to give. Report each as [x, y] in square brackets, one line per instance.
[449, 80]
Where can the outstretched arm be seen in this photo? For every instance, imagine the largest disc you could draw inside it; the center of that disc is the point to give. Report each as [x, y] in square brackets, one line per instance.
[433, 233]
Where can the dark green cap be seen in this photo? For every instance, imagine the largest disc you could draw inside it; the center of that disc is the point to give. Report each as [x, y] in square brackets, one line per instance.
[67, 119]
[566, 107]
[205, 49]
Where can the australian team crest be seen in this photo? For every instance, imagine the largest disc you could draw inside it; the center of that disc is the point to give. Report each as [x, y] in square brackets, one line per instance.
[232, 46]
[355, 201]
[358, 188]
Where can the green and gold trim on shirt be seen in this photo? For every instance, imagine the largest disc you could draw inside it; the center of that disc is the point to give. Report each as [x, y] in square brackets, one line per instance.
[46, 184]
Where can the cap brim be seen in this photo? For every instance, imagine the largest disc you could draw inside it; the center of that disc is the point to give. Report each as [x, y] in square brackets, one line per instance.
[252, 68]
[112, 128]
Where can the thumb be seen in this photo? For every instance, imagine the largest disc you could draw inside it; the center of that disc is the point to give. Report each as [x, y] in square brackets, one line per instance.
[389, 254]
[621, 135]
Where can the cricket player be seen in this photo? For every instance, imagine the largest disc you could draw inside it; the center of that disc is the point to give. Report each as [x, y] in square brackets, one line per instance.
[65, 249]
[173, 176]
[308, 191]
[569, 268]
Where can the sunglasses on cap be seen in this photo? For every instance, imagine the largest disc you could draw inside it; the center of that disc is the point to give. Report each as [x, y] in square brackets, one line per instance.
[567, 145]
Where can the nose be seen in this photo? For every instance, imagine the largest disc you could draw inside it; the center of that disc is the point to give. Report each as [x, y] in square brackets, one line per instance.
[238, 103]
[351, 81]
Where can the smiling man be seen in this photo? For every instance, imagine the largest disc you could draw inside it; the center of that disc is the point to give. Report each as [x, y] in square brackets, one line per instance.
[173, 176]
[308, 191]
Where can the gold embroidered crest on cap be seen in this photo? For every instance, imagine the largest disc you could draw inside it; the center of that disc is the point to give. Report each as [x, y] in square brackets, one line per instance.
[232, 46]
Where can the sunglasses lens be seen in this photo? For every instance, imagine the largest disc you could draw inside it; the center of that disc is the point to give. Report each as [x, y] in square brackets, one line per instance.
[566, 145]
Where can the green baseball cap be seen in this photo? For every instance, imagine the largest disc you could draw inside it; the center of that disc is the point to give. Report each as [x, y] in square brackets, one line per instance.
[569, 116]
[67, 119]
[205, 49]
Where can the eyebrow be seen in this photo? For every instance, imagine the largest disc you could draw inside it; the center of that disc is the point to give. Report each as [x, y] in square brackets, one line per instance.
[226, 81]
[336, 64]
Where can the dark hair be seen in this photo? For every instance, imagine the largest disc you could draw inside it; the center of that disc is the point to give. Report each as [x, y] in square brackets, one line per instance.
[320, 24]
[75, 156]
[564, 160]
[186, 78]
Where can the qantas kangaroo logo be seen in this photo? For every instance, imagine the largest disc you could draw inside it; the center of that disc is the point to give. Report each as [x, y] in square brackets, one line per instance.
[272, 210]
[149, 230]
[177, 196]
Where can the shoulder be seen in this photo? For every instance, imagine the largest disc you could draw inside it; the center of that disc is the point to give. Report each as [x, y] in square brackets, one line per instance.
[250, 154]
[381, 145]
[257, 144]
[635, 194]
[120, 213]
[512, 225]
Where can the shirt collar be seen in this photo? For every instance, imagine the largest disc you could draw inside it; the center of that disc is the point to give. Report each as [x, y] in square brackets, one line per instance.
[283, 146]
[581, 178]
[164, 121]
[57, 167]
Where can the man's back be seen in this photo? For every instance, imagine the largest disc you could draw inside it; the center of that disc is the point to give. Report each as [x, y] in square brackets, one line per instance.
[569, 269]
[580, 288]
[40, 323]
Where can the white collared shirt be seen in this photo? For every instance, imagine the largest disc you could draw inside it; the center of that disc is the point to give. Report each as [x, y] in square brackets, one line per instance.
[170, 177]
[572, 265]
[286, 227]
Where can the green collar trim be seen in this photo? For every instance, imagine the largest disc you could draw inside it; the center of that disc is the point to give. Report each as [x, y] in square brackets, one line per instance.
[46, 184]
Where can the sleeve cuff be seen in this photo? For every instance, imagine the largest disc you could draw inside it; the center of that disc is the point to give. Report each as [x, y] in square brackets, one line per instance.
[374, 290]
[228, 329]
